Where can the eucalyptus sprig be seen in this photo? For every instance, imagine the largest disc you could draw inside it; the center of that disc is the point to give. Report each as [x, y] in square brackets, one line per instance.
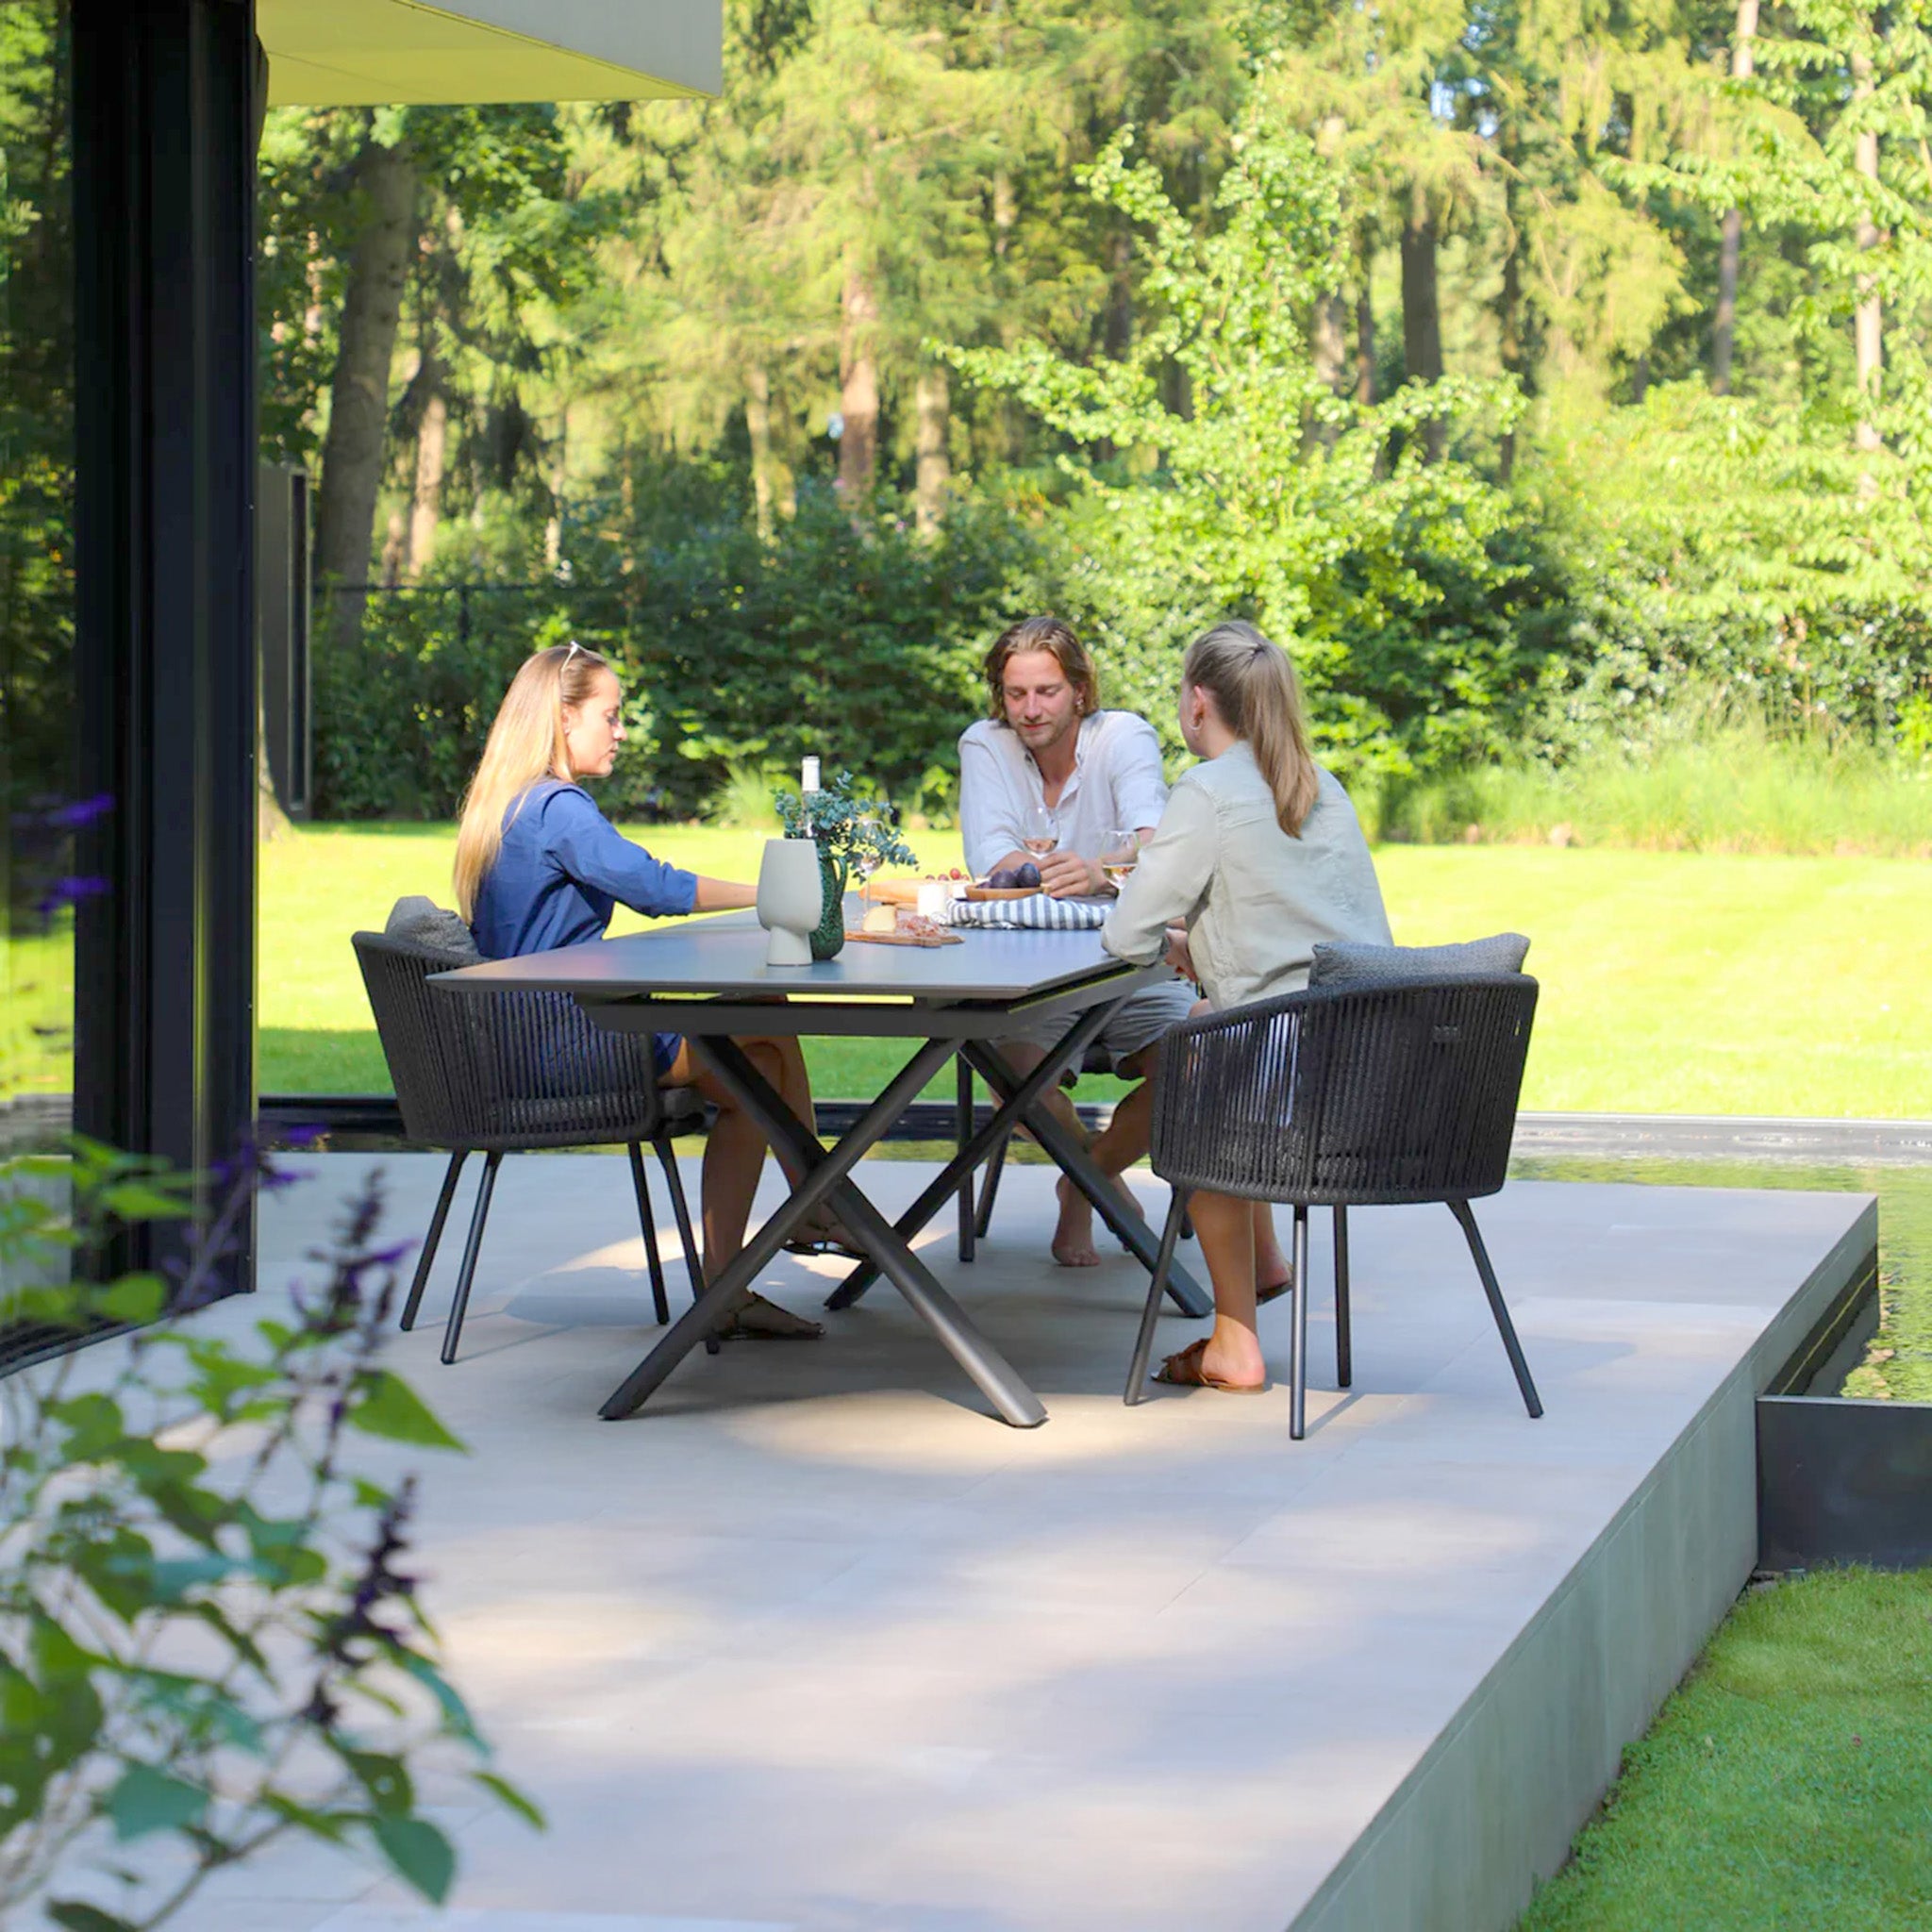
[846, 822]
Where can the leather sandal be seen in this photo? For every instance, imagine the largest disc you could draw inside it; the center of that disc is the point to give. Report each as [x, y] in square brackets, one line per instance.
[1185, 1369]
[754, 1319]
[1275, 1289]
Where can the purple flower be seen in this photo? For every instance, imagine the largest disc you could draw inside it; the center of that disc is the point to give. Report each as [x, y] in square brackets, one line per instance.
[69, 890]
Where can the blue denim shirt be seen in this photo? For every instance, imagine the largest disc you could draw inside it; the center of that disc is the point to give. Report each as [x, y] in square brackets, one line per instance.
[564, 868]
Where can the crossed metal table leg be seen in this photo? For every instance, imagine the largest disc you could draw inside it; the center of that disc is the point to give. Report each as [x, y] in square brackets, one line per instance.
[826, 1178]
[1020, 1099]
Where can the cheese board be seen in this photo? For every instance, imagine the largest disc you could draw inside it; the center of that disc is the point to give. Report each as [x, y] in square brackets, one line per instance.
[906, 938]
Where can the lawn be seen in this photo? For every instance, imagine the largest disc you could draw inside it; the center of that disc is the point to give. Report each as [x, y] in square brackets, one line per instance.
[1673, 982]
[1786, 1782]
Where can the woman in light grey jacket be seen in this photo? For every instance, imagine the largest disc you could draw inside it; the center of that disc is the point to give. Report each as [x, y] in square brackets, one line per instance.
[1257, 858]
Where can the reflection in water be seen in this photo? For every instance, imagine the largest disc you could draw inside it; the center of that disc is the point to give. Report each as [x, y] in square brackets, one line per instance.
[1899, 1363]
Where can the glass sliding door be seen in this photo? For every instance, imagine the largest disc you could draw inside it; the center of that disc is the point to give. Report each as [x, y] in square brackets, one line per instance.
[39, 875]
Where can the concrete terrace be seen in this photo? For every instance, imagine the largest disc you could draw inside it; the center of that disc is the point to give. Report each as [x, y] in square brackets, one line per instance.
[814, 1645]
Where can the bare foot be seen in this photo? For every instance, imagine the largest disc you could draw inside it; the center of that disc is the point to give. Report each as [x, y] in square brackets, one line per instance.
[1073, 1240]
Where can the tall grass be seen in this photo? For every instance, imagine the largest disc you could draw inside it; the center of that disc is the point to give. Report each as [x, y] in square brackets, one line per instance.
[1703, 778]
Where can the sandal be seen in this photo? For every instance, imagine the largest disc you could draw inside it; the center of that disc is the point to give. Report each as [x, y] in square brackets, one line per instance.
[757, 1319]
[823, 1235]
[1184, 1369]
[1275, 1289]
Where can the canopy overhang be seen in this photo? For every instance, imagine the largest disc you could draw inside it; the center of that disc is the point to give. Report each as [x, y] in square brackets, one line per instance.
[375, 53]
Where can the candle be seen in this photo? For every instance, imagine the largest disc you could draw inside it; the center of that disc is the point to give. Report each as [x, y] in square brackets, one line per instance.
[808, 777]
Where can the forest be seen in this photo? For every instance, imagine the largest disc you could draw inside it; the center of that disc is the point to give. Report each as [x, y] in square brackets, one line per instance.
[1543, 373]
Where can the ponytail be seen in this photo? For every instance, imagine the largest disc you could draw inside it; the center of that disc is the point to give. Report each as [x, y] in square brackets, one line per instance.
[1259, 698]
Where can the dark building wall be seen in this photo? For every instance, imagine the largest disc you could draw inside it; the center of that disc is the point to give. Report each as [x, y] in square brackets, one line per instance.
[164, 117]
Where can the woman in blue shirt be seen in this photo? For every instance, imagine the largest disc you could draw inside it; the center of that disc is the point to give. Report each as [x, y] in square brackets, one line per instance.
[539, 866]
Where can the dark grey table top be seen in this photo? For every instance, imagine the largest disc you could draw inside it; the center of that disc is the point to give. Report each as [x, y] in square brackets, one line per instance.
[725, 958]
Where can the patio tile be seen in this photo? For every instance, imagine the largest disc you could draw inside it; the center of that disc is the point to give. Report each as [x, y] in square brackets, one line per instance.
[813, 1645]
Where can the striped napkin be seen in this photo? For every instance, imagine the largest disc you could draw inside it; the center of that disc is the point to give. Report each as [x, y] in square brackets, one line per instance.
[1040, 912]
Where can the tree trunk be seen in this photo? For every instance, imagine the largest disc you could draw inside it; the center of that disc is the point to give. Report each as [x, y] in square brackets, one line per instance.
[395, 551]
[757, 426]
[1120, 299]
[1328, 342]
[425, 498]
[358, 394]
[1732, 244]
[858, 389]
[935, 470]
[1328, 350]
[271, 821]
[1422, 320]
[1867, 322]
[559, 481]
[1364, 329]
[1509, 342]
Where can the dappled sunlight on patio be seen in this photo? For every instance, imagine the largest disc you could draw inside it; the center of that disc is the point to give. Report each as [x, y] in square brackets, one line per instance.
[1136, 1669]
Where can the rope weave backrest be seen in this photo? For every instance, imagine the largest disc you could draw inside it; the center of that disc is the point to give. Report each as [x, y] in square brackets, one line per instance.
[1383, 1095]
[502, 1069]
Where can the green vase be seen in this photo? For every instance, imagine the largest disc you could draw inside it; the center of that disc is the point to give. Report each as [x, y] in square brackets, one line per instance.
[829, 936]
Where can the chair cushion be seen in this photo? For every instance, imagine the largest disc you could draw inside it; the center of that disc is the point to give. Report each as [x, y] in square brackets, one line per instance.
[419, 922]
[1347, 964]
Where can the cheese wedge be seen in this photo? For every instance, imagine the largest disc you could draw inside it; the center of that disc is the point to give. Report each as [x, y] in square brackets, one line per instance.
[881, 919]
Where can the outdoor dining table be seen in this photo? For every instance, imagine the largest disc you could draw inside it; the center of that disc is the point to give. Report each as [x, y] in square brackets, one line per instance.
[707, 980]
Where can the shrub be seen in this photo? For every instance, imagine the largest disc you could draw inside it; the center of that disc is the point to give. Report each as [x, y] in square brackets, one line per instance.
[857, 641]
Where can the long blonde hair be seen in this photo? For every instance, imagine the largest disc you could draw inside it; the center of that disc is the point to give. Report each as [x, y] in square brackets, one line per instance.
[525, 744]
[1259, 698]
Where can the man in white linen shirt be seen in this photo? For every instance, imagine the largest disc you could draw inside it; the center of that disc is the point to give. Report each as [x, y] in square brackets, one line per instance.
[1047, 743]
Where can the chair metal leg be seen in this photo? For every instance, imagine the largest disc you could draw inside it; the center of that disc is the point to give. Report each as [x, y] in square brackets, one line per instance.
[1505, 1328]
[680, 1210]
[1298, 1333]
[990, 1187]
[1143, 1342]
[640, 1186]
[962, 1121]
[1344, 1353]
[458, 1308]
[426, 1259]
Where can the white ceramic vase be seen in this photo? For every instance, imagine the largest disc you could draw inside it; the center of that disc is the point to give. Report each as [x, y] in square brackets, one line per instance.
[791, 899]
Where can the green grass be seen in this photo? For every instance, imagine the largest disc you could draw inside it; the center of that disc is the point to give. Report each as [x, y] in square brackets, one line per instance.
[1699, 783]
[1788, 1781]
[1672, 982]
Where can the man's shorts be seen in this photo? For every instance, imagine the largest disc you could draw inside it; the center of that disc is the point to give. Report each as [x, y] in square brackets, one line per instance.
[1144, 1019]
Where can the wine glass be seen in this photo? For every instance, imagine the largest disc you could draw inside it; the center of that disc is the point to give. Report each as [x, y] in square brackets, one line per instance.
[1120, 855]
[1039, 831]
[867, 858]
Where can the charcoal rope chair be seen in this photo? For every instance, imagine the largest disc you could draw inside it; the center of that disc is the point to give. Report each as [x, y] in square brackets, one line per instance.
[1344, 1097]
[503, 1072]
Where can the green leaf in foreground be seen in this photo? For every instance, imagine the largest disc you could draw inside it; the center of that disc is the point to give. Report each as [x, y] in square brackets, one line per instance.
[145, 1800]
[507, 1794]
[388, 1406]
[74, 1917]
[419, 1853]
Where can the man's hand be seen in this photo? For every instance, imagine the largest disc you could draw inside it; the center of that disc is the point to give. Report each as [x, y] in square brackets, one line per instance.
[1177, 956]
[1067, 875]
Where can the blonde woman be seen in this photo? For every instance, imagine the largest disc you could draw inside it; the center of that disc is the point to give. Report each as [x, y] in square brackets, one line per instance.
[539, 866]
[1259, 858]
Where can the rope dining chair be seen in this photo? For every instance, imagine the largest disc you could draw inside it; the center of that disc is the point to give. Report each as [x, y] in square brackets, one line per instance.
[510, 1072]
[1345, 1097]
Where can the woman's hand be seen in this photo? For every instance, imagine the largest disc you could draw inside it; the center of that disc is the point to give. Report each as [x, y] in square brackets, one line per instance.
[1177, 956]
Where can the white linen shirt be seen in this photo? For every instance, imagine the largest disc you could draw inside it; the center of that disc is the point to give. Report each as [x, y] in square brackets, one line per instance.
[1256, 902]
[1116, 786]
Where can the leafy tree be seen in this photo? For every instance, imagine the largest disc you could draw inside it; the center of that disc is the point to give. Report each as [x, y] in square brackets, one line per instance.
[1324, 541]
